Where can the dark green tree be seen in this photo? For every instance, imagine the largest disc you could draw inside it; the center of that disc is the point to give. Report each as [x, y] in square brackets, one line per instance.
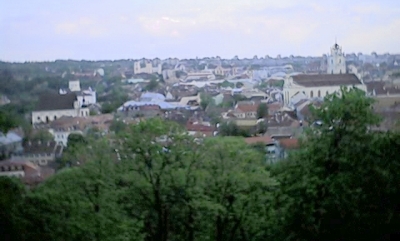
[262, 110]
[343, 178]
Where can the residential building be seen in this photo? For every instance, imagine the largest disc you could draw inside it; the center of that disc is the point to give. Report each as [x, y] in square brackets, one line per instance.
[271, 146]
[41, 153]
[10, 144]
[53, 106]
[287, 145]
[28, 172]
[246, 110]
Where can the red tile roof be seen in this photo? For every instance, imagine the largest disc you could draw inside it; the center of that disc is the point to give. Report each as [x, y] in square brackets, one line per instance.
[289, 143]
[247, 107]
[259, 139]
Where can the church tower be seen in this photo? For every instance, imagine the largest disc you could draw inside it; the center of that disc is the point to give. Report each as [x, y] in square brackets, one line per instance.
[336, 61]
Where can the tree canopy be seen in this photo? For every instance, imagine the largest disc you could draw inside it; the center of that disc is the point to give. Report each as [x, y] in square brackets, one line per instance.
[153, 181]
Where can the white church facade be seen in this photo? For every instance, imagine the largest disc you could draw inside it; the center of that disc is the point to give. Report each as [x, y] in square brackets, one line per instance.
[320, 85]
[53, 106]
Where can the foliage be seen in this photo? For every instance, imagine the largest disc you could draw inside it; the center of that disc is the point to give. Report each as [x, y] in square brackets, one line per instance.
[152, 85]
[206, 100]
[152, 181]
[6, 122]
[232, 129]
[12, 192]
[262, 110]
[41, 135]
[343, 178]
[118, 126]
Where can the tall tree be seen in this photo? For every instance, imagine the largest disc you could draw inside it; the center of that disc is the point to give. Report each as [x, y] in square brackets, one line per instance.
[262, 110]
[343, 178]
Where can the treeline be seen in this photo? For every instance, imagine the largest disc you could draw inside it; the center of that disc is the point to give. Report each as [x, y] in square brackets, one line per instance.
[152, 182]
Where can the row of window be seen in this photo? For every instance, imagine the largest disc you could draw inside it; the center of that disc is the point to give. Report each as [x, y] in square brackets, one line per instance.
[11, 168]
[319, 93]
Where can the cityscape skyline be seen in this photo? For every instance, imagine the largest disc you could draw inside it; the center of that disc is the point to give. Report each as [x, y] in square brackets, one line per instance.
[45, 30]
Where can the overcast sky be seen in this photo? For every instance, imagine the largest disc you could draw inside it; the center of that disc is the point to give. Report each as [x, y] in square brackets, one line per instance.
[36, 30]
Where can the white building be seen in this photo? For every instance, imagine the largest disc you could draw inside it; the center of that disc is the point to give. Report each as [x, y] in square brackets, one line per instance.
[336, 61]
[85, 97]
[318, 86]
[146, 67]
[53, 106]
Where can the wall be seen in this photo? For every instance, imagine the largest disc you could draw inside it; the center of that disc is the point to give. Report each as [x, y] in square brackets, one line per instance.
[314, 92]
[56, 114]
[16, 173]
[40, 159]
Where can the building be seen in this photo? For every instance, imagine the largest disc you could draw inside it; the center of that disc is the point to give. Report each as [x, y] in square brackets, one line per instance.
[10, 144]
[336, 61]
[17, 168]
[318, 85]
[85, 97]
[52, 106]
[41, 153]
[147, 67]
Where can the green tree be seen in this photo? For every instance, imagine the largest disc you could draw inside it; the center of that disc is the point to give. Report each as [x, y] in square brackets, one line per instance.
[341, 179]
[6, 122]
[262, 110]
[41, 135]
[80, 203]
[10, 202]
[238, 188]
[152, 85]
[118, 126]
[160, 160]
[206, 100]
[232, 129]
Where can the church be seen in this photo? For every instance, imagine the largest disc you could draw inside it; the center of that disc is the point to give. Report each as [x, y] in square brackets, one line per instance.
[320, 85]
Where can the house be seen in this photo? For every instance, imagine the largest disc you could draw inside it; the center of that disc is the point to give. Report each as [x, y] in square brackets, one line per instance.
[53, 106]
[10, 144]
[284, 123]
[318, 85]
[271, 146]
[246, 111]
[63, 127]
[29, 173]
[199, 129]
[41, 153]
[287, 145]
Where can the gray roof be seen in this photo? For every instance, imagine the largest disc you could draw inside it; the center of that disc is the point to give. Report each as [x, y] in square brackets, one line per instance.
[316, 80]
[11, 137]
[52, 101]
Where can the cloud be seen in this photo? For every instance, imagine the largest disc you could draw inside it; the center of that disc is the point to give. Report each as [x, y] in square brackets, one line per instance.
[188, 28]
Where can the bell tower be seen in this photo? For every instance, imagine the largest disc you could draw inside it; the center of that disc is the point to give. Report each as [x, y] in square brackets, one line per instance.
[336, 60]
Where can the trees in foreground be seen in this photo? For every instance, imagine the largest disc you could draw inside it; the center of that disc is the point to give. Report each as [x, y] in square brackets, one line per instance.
[154, 182]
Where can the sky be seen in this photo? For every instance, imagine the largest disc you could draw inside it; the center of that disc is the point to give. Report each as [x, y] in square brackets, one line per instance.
[46, 30]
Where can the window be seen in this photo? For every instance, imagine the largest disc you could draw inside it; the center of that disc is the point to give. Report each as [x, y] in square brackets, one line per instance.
[311, 94]
[38, 117]
[55, 117]
[319, 93]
